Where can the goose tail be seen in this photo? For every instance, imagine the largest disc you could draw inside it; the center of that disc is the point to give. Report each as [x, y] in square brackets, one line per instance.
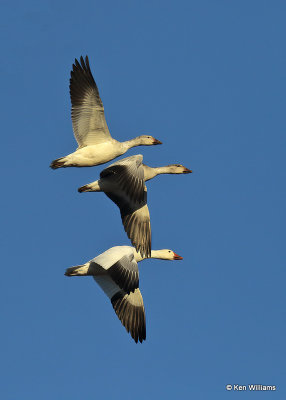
[85, 188]
[58, 163]
[90, 187]
[77, 271]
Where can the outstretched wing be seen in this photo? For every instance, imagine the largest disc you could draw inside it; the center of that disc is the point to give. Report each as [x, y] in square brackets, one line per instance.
[120, 283]
[125, 273]
[129, 307]
[123, 182]
[119, 263]
[138, 228]
[88, 120]
[130, 310]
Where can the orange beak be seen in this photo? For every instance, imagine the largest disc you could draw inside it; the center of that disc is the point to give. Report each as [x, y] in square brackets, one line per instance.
[177, 257]
[156, 141]
[187, 171]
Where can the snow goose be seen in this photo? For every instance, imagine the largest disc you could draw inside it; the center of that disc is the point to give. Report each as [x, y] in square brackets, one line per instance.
[123, 183]
[116, 272]
[95, 144]
[149, 173]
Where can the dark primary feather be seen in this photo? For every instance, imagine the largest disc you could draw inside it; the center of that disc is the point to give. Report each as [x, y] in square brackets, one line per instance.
[128, 179]
[123, 182]
[125, 273]
[138, 228]
[132, 316]
[82, 81]
[87, 112]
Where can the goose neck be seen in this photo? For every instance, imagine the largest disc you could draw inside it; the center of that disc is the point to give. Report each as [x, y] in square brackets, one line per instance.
[128, 144]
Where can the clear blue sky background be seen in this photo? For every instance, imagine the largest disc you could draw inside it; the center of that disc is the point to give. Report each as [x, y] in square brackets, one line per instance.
[207, 78]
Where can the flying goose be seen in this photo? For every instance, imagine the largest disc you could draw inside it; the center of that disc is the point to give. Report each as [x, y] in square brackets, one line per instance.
[95, 144]
[123, 183]
[116, 272]
[149, 173]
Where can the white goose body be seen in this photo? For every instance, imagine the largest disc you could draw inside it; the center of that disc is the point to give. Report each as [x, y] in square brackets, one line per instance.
[94, 154]
[95, 144]
[116, 272]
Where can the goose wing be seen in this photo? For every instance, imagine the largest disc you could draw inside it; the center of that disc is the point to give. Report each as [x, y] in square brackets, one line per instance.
[88, 120]
[129, 307]
[123, 182]
[120, 282]
[119, 263]
[138, 228]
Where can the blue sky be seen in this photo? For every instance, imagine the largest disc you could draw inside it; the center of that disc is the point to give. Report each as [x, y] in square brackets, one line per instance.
[208, 80]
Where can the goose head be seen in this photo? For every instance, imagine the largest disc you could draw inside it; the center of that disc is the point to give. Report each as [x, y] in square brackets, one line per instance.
[178, 169]
[165, 254]
[146, 140]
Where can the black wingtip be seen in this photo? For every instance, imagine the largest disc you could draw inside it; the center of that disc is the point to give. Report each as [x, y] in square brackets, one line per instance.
[82, 62]
[76, 64]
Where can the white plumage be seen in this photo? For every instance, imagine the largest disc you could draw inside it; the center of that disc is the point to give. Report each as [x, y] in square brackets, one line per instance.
[116, 272]
[95, 144]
